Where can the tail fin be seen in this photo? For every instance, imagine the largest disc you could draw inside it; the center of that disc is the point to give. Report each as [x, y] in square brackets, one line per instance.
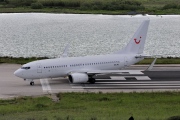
[137, 42]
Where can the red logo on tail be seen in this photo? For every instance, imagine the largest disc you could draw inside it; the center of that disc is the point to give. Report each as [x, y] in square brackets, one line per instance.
[137, 42]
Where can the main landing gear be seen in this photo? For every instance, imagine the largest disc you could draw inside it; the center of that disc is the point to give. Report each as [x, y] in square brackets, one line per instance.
[92, 80]
[32, 83]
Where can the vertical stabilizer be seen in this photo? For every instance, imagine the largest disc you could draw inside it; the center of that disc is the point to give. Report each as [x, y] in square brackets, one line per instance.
[137, 42]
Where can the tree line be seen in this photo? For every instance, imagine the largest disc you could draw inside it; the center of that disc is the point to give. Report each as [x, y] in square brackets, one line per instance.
[83, 4]
[78, 4]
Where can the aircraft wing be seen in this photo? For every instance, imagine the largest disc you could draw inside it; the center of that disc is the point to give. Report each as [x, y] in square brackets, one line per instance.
[65, 53]
[95, 72]
[115, 72]
[151, 66]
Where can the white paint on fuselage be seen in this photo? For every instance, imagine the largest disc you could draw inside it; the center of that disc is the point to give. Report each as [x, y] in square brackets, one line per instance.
[61, 67]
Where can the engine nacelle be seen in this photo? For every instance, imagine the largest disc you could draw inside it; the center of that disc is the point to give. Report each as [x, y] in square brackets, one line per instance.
[78, 78]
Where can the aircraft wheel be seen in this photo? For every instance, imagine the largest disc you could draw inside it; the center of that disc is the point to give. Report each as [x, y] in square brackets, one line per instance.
[92, 80]
[31, 83]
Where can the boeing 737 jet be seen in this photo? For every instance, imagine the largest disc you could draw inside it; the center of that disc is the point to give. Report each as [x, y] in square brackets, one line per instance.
[83, 69]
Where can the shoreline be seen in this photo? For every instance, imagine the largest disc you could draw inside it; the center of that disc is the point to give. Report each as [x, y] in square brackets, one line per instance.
[89, 14]
[74, 11]
[111, 7]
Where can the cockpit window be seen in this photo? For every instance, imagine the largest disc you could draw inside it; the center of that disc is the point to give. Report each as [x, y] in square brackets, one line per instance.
[26, 68]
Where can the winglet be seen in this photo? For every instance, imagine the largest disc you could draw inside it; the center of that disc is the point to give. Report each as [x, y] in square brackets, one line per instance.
[151, 66]
[65, 53]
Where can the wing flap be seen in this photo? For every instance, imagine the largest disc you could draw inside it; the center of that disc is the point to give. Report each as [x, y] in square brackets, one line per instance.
[95, 72]
[115, 72]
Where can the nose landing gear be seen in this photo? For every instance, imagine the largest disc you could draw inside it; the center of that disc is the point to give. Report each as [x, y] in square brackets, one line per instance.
[30, 80]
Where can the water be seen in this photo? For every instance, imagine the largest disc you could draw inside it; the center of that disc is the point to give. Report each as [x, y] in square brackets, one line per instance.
[41, 34]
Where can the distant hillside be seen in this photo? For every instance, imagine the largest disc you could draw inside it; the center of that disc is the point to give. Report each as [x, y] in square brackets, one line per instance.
[93, 6]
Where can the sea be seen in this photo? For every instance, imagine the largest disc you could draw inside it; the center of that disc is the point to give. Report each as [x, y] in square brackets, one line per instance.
[46, 35]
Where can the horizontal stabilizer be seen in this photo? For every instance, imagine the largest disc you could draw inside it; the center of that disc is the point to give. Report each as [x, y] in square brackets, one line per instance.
[151, 66]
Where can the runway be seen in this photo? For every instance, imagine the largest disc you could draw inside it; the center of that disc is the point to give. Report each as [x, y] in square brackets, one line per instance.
[146, 80]
[161, 78]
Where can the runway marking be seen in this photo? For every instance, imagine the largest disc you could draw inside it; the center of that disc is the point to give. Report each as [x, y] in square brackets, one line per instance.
[127, 85]
[136, 84]
[126, 77]
[117, 78]
[45, 85]
[142, 78]
[149, 82]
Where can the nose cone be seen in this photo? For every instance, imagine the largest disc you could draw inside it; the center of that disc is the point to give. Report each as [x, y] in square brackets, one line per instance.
[18, 73]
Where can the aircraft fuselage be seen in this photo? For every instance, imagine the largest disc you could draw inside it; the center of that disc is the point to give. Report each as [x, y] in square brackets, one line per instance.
[61, 67]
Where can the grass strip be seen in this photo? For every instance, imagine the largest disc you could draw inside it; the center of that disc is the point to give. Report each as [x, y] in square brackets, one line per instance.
[94, 106]
[168, 60]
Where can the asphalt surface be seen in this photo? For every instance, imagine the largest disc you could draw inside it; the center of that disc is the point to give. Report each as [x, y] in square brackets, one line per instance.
[161, 78]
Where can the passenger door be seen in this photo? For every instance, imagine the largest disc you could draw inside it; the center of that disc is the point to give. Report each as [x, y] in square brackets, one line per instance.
[39, 68]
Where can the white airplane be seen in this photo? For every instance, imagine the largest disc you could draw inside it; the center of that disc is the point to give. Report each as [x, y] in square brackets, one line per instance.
[83, 69]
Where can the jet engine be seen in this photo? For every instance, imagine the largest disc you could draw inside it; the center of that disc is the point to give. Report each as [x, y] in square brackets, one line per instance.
[78, 78]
